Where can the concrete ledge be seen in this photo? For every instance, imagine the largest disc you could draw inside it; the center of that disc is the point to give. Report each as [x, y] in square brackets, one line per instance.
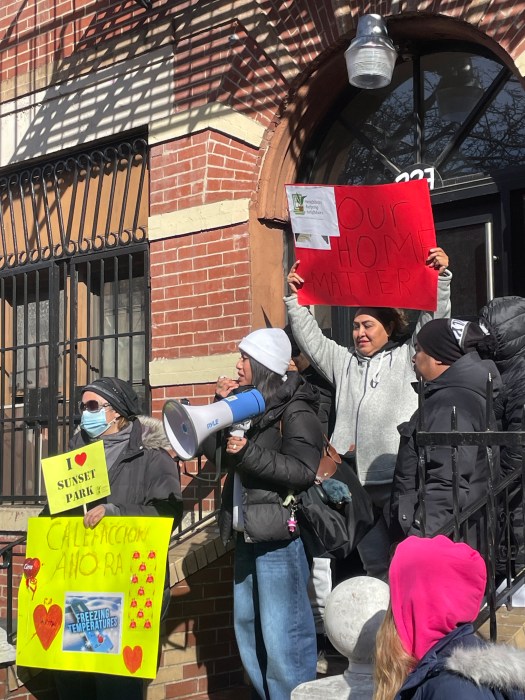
[14, 518]
[191, 370]
[216, 116]
[200, 218]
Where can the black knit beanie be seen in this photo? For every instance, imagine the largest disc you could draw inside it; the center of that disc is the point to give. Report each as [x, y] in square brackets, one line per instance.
[447, 339]
[118, 393]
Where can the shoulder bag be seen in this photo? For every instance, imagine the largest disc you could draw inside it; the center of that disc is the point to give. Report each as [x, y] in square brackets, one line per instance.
[333, 529]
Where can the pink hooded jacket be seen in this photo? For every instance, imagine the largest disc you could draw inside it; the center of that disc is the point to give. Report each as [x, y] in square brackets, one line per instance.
[435, 585]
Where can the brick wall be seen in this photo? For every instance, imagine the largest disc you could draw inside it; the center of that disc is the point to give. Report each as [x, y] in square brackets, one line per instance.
[200, 656]
[200, 287]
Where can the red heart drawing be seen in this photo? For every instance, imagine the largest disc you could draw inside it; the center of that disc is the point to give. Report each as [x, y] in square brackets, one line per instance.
[31, 567]
[132, 658]
[47, 623]
[80, 459]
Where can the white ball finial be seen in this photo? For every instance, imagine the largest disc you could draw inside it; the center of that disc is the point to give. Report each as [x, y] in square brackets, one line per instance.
[354, 610]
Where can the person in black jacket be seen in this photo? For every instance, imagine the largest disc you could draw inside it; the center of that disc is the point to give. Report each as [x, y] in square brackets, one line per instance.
[321, 568]
[144, 481]
[504, 318]
[277, 457]
[326, 410]
[454, 375]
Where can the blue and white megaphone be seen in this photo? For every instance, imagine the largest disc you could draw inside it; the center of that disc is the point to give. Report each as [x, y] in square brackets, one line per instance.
[188, 426]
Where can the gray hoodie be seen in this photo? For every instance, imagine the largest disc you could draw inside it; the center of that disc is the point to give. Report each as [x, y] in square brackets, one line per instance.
[373, 395]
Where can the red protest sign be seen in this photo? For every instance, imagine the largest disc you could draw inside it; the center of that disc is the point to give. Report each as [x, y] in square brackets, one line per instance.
[377, 256]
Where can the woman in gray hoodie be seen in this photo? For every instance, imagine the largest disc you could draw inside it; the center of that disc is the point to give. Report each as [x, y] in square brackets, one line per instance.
[373, 392]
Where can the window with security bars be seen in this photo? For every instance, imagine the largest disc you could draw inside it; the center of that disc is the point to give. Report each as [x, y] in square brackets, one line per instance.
[74, 303]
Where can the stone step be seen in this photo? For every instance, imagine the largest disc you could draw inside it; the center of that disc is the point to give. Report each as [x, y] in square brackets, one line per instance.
[510, 626]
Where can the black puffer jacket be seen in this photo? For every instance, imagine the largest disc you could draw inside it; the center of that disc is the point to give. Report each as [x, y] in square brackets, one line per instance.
[281, 455]
[505, 318]
[144, 480]
[463, 385]
[326, 410]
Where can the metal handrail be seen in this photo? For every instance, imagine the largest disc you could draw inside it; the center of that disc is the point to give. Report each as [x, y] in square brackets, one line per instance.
[6, 564]
[485, 509]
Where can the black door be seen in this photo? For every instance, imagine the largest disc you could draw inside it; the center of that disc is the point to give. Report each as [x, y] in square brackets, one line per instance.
[470, 231]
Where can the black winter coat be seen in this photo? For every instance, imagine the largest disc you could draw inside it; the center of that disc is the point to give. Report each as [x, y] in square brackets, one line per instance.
[325, 412]
[144, 480]
[505, 318]
[462, 385]
[463, 667]
[281, 456]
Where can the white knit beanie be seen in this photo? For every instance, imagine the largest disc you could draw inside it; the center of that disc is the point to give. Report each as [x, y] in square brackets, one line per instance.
[269, 346]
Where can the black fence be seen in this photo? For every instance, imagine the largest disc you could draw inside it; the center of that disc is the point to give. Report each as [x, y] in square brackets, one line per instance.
[491, 524]
[74, 298]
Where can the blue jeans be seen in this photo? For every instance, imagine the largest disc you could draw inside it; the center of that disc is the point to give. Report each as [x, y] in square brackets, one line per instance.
[274, 625]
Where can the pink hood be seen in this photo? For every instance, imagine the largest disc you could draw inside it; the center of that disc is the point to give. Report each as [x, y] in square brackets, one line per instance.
[435, 585]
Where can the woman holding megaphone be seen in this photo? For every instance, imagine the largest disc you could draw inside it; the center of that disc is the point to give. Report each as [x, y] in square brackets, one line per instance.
[278, 455]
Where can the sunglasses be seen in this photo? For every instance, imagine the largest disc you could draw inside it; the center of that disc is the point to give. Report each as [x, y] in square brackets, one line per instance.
[92, 406]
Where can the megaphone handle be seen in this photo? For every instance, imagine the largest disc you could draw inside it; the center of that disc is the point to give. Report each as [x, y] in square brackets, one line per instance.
[240, 429]
[218, 455]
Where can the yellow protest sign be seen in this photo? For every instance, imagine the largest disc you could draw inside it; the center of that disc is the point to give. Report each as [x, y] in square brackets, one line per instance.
[90, 599]
[76, 477]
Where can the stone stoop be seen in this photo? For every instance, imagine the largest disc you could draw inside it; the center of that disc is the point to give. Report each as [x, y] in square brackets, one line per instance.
[195, 551]
[511, 627]
[18, 677]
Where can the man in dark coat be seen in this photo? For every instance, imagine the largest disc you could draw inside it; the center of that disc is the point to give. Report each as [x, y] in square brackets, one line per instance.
[504, 317]
[454, 376]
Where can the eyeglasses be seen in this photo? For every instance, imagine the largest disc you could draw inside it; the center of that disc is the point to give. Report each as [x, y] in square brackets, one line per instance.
[92, 406]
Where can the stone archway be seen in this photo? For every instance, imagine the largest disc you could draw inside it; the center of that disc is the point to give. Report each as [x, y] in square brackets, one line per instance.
[309, 103]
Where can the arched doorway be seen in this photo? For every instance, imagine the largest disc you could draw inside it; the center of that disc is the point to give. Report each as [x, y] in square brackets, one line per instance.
[452, 114]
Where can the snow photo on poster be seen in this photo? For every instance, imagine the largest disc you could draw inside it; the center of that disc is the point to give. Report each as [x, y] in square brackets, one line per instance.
[93, 623]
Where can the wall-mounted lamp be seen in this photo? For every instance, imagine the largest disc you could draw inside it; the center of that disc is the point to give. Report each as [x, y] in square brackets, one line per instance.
[371, 56]
[458, 91]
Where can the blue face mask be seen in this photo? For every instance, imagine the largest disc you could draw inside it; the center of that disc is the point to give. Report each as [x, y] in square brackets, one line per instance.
[94, 423]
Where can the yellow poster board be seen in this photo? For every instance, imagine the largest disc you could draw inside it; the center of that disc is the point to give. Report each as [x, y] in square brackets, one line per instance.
[76, 477]
[90, 599]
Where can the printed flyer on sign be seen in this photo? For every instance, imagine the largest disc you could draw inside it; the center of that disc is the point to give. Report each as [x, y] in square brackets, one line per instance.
[90, 599]
[313, 211]
[377, 257]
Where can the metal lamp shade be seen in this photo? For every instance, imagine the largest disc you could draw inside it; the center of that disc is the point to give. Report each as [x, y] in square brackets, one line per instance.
[371, 56]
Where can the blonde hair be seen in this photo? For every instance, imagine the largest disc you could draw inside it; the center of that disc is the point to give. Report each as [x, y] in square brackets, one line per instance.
[392, 663]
